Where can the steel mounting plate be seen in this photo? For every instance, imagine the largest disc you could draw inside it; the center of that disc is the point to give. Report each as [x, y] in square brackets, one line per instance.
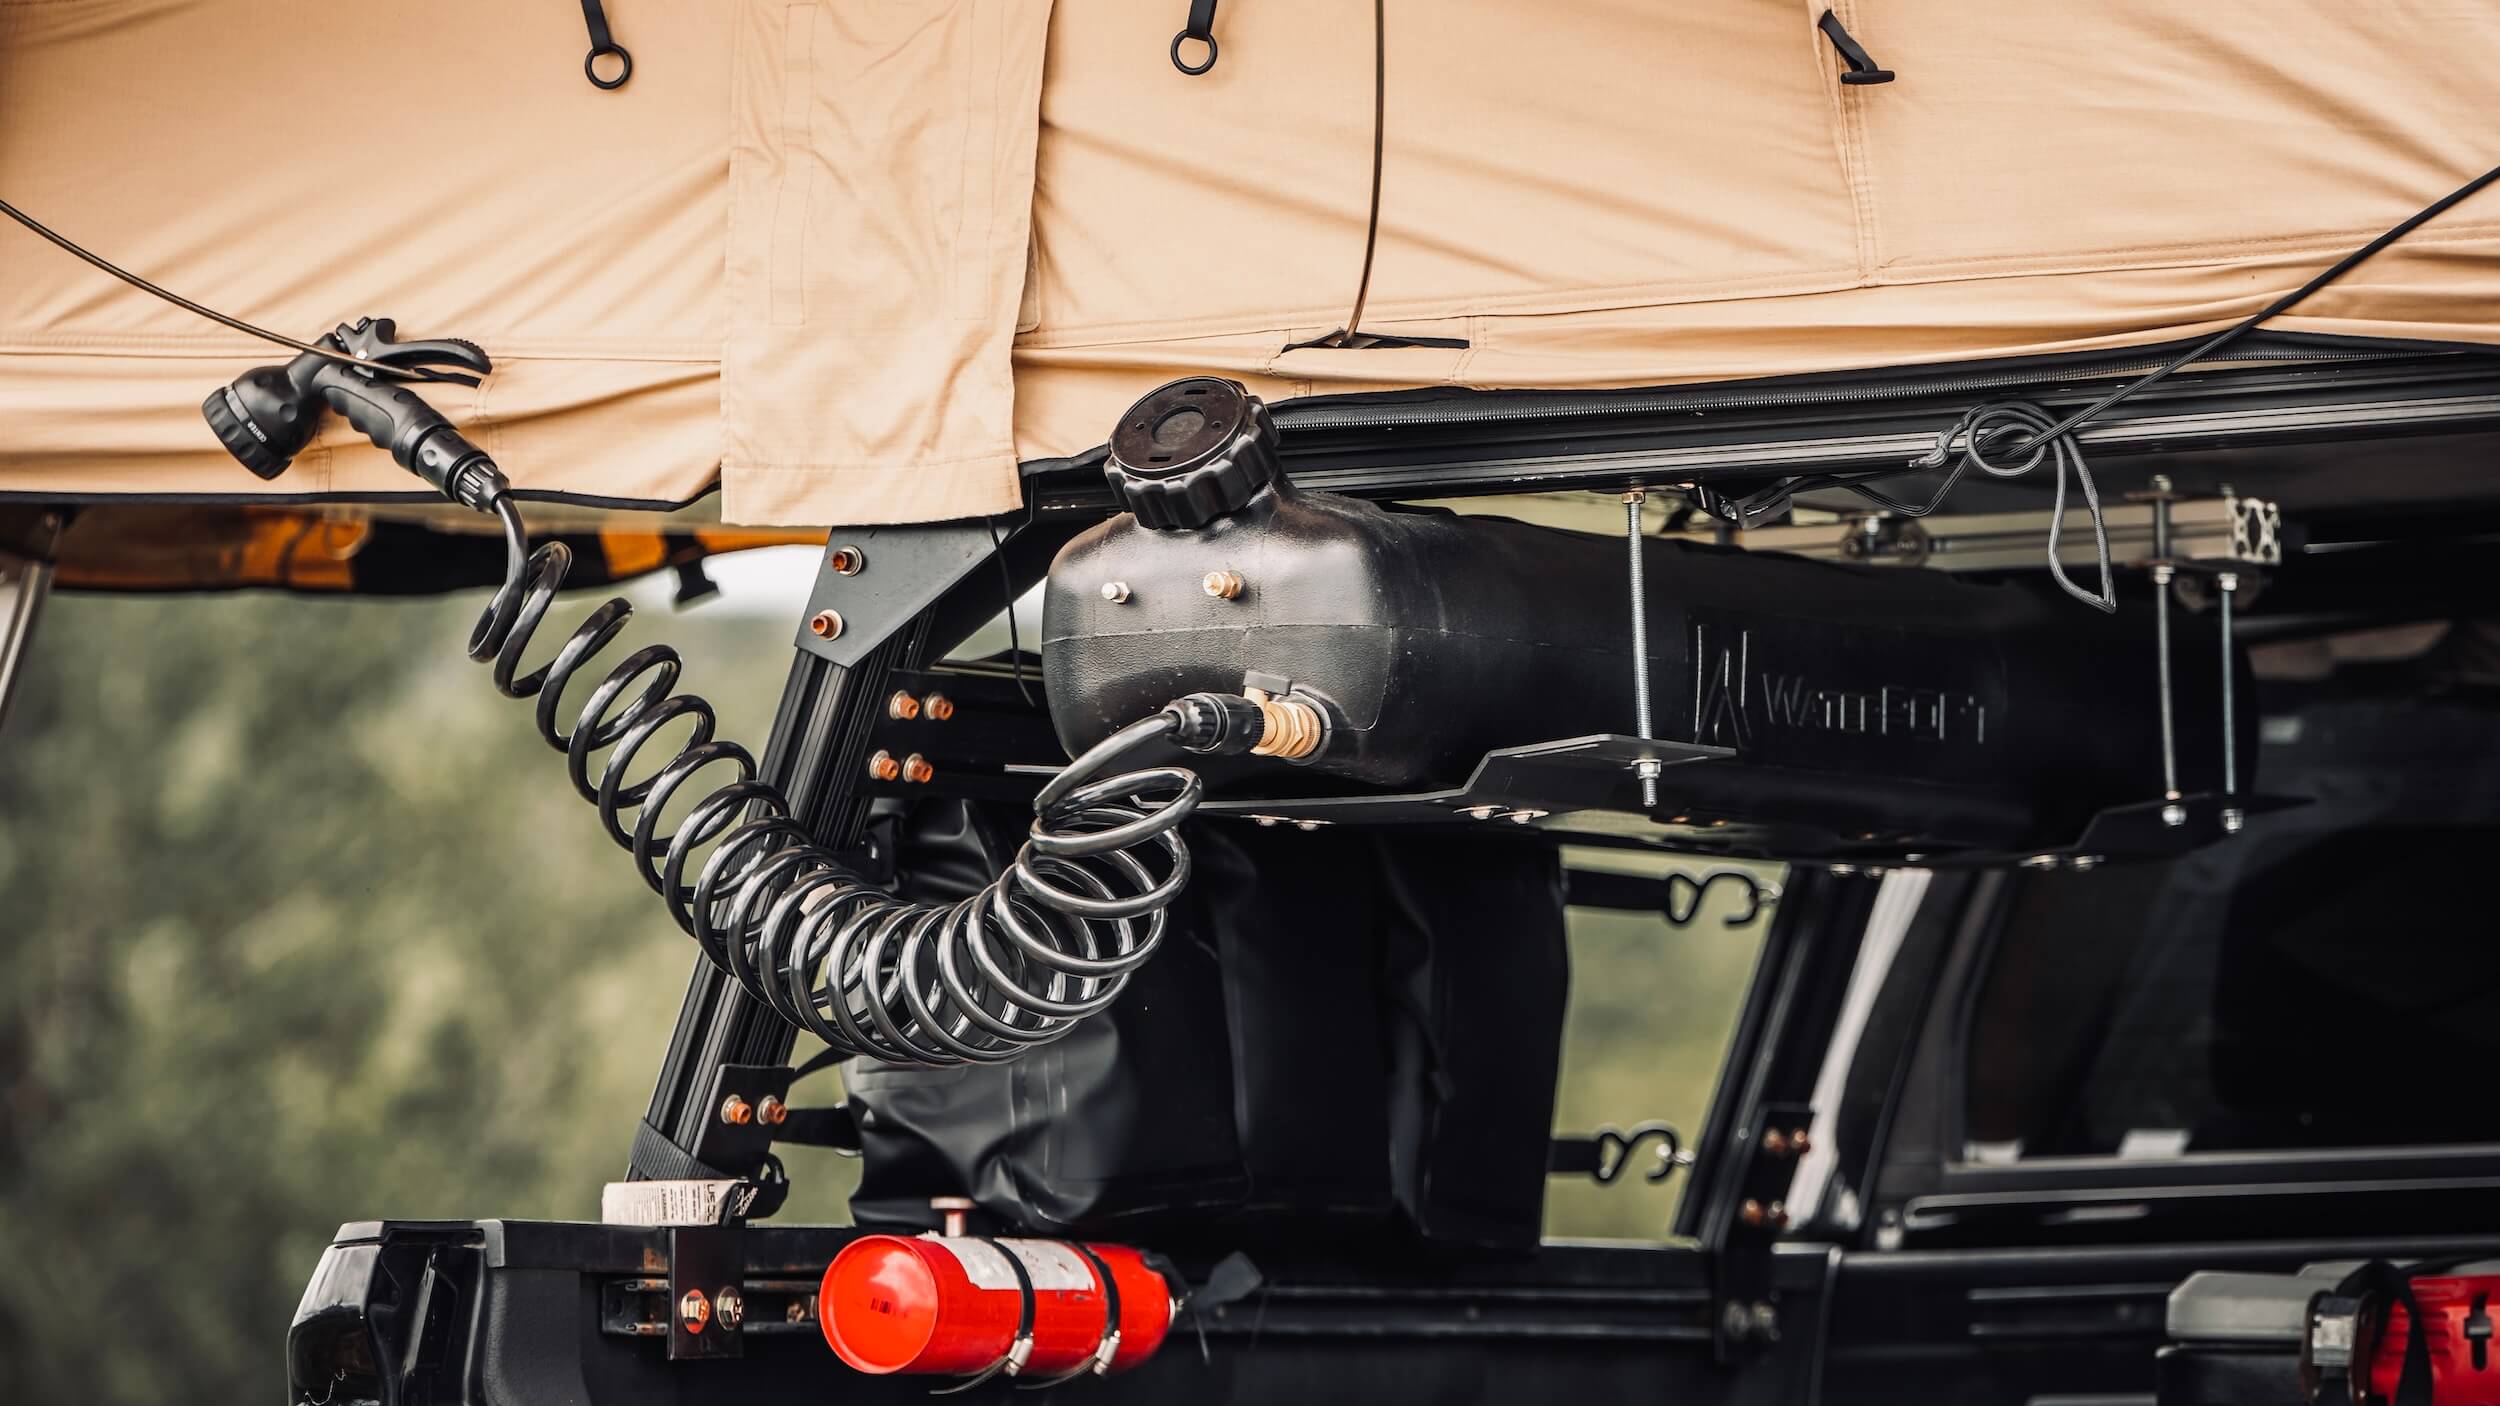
[1523, 784]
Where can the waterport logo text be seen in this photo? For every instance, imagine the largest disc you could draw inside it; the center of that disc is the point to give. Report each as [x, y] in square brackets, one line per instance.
[1736, 701]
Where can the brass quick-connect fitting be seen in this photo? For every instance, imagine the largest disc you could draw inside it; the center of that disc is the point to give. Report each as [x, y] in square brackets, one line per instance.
[1293, 727]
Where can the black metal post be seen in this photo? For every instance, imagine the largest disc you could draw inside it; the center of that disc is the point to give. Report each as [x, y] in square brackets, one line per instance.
[923, 590]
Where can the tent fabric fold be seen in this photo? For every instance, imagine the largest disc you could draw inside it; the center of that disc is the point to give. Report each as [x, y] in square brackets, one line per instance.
[854, 261]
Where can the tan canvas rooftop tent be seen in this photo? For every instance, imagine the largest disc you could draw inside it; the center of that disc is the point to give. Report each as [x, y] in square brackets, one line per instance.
[855, 260]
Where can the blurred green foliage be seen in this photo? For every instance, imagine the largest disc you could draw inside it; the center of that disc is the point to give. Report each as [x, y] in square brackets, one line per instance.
[303, 924]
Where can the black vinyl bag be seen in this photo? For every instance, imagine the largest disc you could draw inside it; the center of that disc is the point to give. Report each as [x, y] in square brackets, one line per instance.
[1346, 1033]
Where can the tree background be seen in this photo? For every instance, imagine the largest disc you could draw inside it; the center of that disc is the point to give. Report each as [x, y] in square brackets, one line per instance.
[301, 923]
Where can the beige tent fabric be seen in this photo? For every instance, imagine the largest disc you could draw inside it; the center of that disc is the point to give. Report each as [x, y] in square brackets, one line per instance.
[786, 254]
[1625, 194]
[859, 256]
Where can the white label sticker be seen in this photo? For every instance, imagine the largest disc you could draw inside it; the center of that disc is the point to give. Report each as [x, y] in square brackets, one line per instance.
[673, 1202]
[1052, 1264]
[982, 1263]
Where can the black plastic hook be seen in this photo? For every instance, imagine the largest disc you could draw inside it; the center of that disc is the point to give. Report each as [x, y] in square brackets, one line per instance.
[1616, 1147]
[1200, 26]
[1862, 65]
[603, 45]
[1685, 894]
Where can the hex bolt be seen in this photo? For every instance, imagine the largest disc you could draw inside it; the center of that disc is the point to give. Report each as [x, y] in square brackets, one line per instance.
[846, 560]
[902, 707]
[694, 1310]
[1800, 1143]
[1223, 585]
[1776, 1215]
[883, 767]
[1481, 812]
[796, 1312]
[938, 706]
[1266, 822]
[1115, 592]
[1751, 1213]
[736, 1112]
[1306, 826]
[825, 625]
[772, 1112]
[1775, 1142]
[730, 1307]
[917, 771]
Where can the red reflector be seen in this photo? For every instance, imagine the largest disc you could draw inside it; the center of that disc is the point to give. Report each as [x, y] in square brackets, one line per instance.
[956, 1305]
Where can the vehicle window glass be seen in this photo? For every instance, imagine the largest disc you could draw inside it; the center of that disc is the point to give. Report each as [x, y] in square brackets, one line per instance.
[2329, 980]
[1653, 1005]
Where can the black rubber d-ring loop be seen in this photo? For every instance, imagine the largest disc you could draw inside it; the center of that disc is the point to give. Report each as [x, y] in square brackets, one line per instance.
[625, 66]
[1184, 37]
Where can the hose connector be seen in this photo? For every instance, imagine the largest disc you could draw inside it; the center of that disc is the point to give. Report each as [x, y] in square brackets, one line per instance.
[1290, 728]
[1218, 724]
[1294, 728]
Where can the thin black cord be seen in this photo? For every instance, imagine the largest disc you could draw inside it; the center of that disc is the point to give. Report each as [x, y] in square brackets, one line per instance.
[2280, 305]
[1007, 589]
[1380, 121]
[69, 246]
[2016, 427]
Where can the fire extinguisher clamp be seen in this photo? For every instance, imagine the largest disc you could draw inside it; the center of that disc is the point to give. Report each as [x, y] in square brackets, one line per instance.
[1019, 1351]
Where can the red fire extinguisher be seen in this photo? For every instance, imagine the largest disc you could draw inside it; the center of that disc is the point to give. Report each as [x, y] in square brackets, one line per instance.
[980, 1307]
[2457, 1315]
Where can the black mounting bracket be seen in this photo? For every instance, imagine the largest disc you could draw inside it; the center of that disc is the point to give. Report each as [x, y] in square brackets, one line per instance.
[747, 1102]
[1745, 1317]
[707, 1291]
[875, 579]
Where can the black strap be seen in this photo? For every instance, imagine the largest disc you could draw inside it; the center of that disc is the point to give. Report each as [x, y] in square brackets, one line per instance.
[2385, 1286]
[656, 1157]
[1573, 1157]
[836, 1127]
[603, 45]
[1862, 66]
[1201, 27]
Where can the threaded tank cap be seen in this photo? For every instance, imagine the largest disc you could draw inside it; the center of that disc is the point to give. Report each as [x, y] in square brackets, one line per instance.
[1191, 452]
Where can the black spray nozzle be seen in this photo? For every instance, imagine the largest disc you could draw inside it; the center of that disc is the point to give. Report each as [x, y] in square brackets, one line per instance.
[268, 414]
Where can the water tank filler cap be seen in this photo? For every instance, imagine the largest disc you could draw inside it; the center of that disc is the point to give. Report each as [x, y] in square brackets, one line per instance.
[1191, 452]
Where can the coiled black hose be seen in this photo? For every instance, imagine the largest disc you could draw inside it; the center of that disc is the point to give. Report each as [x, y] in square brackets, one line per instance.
[1051, 941]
